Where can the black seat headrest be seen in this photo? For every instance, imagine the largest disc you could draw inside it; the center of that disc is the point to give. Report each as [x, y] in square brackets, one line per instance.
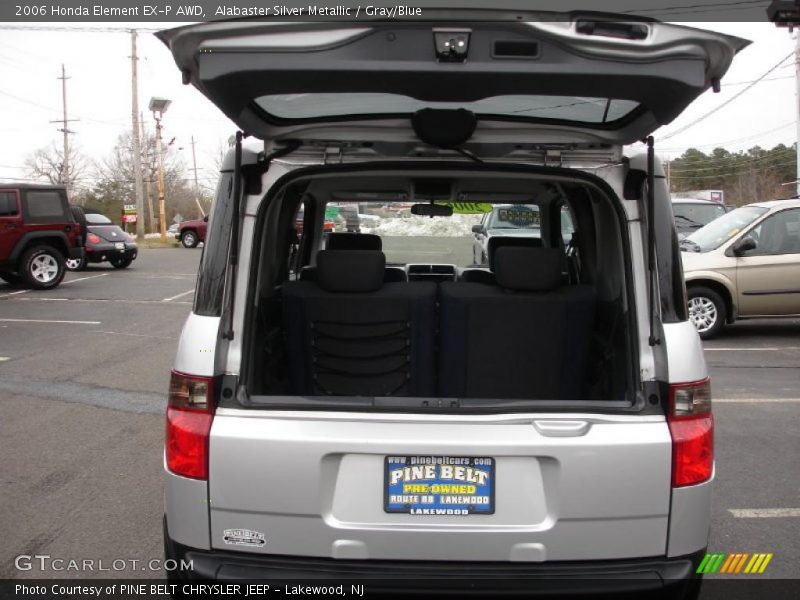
[350, 270]
[353, 241]
[506, 241]
[528, 269]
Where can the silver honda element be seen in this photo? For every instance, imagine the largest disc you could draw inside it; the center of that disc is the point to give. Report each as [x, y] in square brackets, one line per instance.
[376, 408]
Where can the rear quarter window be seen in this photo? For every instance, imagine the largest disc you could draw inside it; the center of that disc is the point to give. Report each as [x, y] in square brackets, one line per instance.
[45, 207]
[8, 204]
[214, 262]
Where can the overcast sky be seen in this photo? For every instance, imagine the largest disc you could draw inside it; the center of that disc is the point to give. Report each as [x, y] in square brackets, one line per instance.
[99, 94]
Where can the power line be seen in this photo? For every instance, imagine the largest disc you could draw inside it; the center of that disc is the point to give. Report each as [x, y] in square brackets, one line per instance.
[692, 6]
[744, 173]
[728, 101]
[733, 141]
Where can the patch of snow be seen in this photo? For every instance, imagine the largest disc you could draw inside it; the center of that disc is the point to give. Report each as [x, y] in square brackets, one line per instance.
[413, 225]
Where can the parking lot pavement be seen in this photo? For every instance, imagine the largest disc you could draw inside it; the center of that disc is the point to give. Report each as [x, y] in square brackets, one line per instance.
[84, 370]
[758, 358]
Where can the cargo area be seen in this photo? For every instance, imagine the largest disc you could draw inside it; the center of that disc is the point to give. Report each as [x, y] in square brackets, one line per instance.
[520, 296]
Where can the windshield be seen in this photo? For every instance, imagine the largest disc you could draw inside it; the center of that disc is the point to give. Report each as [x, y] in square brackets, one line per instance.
[694, 216]
[719, 231]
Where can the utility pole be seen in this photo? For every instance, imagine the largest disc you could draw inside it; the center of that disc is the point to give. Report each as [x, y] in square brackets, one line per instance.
[797, 100]
[137, 146]
[161, 200]
[146, 176]
[196, 186]
[65, 169]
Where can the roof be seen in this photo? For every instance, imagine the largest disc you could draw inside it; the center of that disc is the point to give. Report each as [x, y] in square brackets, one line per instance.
[6, 185]
[694, 201]
[791, 203]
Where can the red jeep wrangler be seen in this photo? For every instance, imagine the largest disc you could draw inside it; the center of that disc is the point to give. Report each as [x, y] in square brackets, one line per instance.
[37, 234]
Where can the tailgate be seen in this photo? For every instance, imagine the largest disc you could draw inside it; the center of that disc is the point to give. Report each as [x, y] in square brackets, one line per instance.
[577, 487]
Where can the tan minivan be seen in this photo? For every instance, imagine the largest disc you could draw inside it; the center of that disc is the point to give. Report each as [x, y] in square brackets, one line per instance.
[744, 264]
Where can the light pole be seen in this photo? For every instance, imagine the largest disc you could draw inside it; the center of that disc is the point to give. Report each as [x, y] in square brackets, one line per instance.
[159, 106]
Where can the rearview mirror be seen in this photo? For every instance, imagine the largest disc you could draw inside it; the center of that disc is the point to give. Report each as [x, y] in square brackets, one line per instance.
[744, 245]
[432, 210]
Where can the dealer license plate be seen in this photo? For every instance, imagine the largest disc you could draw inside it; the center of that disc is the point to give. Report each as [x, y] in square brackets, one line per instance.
[439, 485]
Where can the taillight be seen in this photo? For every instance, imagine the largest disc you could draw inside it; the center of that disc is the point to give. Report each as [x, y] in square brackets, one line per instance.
[691, 426]
[93, 238]
[190, 410]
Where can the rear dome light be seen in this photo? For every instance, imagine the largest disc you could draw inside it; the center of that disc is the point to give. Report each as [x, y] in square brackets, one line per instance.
[691, 425]
[190, 412]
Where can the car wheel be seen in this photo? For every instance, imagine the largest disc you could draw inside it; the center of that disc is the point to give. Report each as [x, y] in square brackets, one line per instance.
[707, 311]
[75, 264]
[121, 263]
[42, 267]
[189, 239]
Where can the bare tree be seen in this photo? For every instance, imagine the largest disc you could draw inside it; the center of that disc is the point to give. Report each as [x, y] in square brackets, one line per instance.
[115, 178]
[46, 164]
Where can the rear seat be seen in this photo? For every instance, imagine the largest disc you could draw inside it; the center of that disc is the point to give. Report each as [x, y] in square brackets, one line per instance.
[349, 333]
[526, 337]
[356, 241]
[488, 277]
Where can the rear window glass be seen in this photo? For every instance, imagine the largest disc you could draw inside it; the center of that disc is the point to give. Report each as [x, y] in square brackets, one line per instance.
[45, 206]
[95, 219]
[570, 108]
[8, 204]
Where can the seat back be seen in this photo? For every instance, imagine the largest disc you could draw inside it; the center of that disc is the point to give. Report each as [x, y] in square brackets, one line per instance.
[526, 337]
[488, 277]
[349, 333]
[356, 241]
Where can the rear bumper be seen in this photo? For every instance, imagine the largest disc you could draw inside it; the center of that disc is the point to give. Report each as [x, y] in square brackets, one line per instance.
[106, 252]
[657, 577]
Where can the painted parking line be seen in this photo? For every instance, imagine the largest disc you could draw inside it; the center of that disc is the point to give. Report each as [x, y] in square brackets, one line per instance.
[62, 283]
[108, 300]
[143, 335]
[48, 321]
[764, 513]
[756, 400]
[84, 278]
[171, 298]
[4, 358]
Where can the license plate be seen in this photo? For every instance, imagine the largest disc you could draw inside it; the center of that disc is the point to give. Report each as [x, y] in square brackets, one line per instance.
[120, 245]
[439, 485]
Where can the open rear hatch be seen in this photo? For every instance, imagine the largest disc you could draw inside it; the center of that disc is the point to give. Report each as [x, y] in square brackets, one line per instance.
[580, 78]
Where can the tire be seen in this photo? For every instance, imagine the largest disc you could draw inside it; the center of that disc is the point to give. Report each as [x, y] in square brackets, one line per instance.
[42, 267]
[10, 278]
[707, 311]
[75, 264]
[189, 239]
[121, 263]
